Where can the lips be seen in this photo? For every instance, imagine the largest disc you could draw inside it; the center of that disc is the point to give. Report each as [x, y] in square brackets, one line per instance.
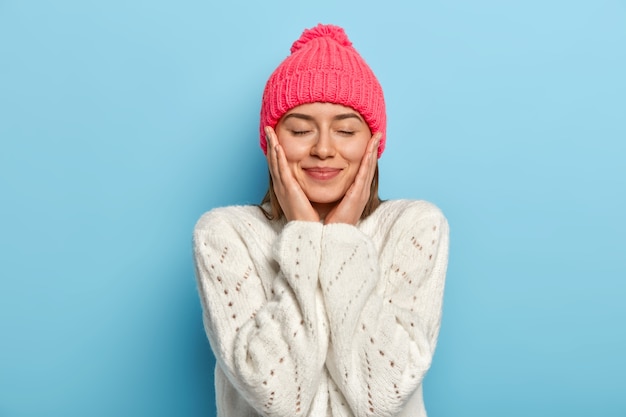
[322, 173]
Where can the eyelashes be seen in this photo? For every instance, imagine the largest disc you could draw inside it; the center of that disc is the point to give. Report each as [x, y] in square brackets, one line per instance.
[306, 132]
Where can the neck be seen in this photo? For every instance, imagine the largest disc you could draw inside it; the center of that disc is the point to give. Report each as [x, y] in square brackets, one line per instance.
[323, 209]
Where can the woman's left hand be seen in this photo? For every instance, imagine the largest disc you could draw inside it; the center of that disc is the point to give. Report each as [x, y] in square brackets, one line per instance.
[351, 206]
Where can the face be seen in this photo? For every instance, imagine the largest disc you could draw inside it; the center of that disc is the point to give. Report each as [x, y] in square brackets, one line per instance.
[324, 144]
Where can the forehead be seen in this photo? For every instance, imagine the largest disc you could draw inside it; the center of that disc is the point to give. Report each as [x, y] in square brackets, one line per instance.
[322, 110]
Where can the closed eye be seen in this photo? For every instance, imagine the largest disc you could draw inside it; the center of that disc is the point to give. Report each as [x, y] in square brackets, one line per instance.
[300, 132]
[346, 132]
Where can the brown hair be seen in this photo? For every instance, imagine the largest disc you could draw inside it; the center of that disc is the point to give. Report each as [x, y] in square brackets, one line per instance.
[275, 211]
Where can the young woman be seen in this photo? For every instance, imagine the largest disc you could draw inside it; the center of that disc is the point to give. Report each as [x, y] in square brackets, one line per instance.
[324, 300]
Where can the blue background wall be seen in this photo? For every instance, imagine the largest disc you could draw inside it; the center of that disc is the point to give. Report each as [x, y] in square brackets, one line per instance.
[122, 121]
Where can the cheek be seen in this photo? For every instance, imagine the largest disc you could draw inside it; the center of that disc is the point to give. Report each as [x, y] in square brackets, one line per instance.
[354, 151]
[293, 152]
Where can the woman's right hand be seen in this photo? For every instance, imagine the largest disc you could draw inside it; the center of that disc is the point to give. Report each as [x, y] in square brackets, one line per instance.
[291, 197]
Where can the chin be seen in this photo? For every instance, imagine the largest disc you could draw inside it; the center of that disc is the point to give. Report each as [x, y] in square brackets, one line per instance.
[325, 198]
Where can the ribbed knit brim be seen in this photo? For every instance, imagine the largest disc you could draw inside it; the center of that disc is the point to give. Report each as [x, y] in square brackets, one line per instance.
[324, 67]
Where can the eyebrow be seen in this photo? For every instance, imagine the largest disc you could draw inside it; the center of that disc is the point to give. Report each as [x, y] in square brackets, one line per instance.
[341, 116]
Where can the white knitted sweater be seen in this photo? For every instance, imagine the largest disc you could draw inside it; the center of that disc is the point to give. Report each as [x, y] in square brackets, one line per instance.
[307, 319]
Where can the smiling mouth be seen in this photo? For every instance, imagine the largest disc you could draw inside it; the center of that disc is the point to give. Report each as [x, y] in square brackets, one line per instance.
[322, 174]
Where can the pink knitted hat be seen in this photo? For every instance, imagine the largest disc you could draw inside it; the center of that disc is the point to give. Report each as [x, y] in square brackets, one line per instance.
[324, 67]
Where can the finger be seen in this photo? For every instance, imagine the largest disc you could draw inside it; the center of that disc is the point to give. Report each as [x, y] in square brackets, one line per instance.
[271, 154]
[268, 140]
[374, 155]
[281, 162]
[271, 135]
[268, 154]
[281, 166]
[368, 164]
[375, 143]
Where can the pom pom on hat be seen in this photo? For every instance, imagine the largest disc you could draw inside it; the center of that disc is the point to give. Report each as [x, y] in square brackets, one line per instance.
[324, 67]
[330, 31]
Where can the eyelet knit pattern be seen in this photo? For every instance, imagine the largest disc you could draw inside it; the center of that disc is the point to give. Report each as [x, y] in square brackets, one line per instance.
[307, 319]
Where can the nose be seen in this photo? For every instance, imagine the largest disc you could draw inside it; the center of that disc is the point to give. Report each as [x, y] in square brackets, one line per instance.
[323, 147]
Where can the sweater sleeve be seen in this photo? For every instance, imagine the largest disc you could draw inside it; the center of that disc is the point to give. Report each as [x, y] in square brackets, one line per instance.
[384, 308]
[269, 340]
